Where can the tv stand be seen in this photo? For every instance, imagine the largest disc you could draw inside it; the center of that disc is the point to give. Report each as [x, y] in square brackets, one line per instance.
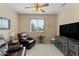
[68, 46]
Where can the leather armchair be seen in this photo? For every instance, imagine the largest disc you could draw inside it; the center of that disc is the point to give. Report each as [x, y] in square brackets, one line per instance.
[25, 40]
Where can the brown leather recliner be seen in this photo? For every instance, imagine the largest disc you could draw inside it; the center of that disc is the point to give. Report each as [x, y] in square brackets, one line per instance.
[25, 40]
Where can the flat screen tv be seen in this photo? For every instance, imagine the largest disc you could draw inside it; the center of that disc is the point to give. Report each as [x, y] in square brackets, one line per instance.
[70, 30]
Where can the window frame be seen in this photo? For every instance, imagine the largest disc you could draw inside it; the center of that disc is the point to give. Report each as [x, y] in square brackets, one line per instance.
[3, 28]
[37, 24]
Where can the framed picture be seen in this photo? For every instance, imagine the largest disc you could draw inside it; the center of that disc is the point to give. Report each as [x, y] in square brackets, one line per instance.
[4, 24]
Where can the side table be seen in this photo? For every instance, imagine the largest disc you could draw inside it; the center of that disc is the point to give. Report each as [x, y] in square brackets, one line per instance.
[41, 37]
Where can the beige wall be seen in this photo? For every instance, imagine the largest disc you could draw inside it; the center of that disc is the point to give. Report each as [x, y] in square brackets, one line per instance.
[50, 25]
[69, 14]
[9, 14]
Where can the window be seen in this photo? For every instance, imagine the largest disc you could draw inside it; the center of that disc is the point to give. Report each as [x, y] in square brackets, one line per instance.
[37, 25]
[4, 24]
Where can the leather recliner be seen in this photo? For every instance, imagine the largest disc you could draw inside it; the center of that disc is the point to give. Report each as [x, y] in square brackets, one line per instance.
[25, 40]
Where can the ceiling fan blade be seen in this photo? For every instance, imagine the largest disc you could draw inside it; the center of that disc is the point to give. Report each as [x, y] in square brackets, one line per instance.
[42, 10]
[44, 5]
[29, 7]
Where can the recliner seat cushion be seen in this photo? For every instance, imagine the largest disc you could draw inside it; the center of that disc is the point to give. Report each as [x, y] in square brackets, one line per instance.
[14, 48]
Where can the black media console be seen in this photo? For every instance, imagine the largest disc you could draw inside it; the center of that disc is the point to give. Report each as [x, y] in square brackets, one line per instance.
[68, 46]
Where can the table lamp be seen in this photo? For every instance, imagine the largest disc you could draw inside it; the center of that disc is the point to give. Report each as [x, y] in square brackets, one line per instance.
[11, 36]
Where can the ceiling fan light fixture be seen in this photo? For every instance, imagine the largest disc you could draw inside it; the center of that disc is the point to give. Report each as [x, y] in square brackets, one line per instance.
[38, 6]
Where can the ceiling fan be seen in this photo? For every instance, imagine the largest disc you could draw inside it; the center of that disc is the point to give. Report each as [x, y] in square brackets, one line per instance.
[38, 6]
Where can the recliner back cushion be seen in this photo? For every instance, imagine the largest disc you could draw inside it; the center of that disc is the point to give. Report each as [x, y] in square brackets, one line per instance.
[24, 38]
[24, 34]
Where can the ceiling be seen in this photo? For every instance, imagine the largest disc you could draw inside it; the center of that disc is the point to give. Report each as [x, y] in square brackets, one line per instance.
[53, 8]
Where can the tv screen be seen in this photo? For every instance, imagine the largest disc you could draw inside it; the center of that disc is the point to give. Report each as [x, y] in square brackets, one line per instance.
[70, 30]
